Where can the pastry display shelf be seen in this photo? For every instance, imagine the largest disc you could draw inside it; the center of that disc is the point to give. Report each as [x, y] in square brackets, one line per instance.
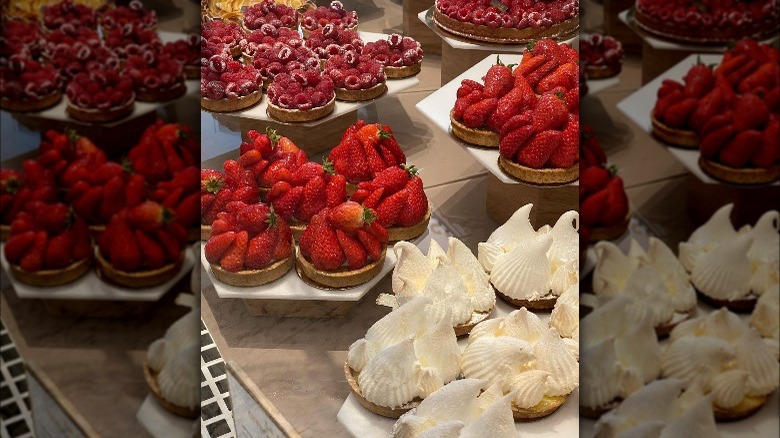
[458, 53]
[91, 288]
[505, 194]
[659, 54]
[640, 104]
[564, 422]
[596, 86]
[316, 135]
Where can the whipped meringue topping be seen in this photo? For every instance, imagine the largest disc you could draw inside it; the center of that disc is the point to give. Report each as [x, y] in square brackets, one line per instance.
[722, 355]
[523, 356]
[174, 359]
[453, 280]
[660, 409]
[526, 264]
[766, 316]
[655, 280]
[407, 354]
[565, 316]
[459, 410]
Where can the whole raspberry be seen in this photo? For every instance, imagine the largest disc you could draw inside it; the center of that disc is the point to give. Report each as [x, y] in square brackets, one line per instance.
[352, 82]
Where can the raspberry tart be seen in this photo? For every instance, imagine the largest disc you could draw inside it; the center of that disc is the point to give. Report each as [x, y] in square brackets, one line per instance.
[22, 37]
[332, 40]
[48, 246]
[249, 246]
[227, 85]
[270, 12]
[68, 35]
[301, 96]
[602, 54]
[401, 56]
[68, 12]
[356, 78]
[187, 53]
[141, 247]
[134, 15]
[28, 85]
[709, 21]
[81, 57]
[223, 32]
[508, 22]
[322, 16]
[365, 150]
[312, 188]
[397, 196]
[100, 96]
[270, 60]
[127, 41]
[156, 78]
[342, 247]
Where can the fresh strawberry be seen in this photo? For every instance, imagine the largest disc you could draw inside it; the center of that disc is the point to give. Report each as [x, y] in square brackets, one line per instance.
[53, 218]
[565, 75]
[284, 245]
[148, 216]
[416, 206]
[714, 141]
[529, 64]
[476, 115]
[766, 76]
[463, 103]
[313, 199]
[616, 206]
[254, 218]
[663, 103]
[520, 98]
[498, 80]
[32, 260]
[592, 207]
[769, 152]
[537, 151]
[124, 252]
[217, 245]
[739, 151]
[378, 231]
[750, 112]
[233, 259]
[567, 155]
[707, 107]
[153, 252]
[353, 250]
[395, 178]
[59, 251]
[286, 204]
[326, 252]
[540, 73]
[261, 248]
[371, 243]
[18, 245]
[390, 208]
[350, 216]
[511, 143]
[593, 179]
[336, 191]
[699, 80]
[551, 112]
[676, 116]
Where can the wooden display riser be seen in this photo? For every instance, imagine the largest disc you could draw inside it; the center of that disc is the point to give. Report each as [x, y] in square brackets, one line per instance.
[749, 202]
[550, 203]
[413, 27]
[657, 61]
[613, 26]
[456, 61]
[299, 309]
[312, 139]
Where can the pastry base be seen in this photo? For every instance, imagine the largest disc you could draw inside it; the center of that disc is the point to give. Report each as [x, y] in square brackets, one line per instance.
[540, 304]
[747, 407]
[192, 72]
[352, 380]
[95, 115]
[682, 138]
[700, 35]
[542, 177]
[52, 277]
[406, 71]
[230, 105]
[596, 413]
[611, 232]
[465, 329]
[360, 95]
[5, 231]
[747, 176]
[665, 329]
[138, 279]
[396, 234]
[297, 229]
[181, 411]
[505, 35]
[254, 277]
[161, 95]
[343, 277]
[96, 230]
[602, 71]
[744, 305]
[479, 137]
[547, 406]
[296, 116]
[27, 106]
[205, 232]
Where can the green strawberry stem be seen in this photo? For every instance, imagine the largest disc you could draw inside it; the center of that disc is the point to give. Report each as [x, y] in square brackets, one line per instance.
[383, 134]
[368, 215]
[613, 170]
[73, 137]
[411, 169]
[213, 184]
[168, 215]
[273, 135]
[12, 185]
[271, 218]
[498, 60]
[328, 167]
[127, 165]
[530, 45]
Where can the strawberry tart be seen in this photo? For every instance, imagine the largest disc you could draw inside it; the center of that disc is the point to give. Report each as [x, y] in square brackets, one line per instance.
[301, 96]
[134, 16]
[707, 21]
[365, 150]
[27, 85]
[508, 21]
[187, 53]
[227, 85]
[602, 55]
[342, 247]
[141, 247]
[48, 246]
[322, 16]
[401, 56]
[217, 190]
[100, 96]
[398, 197]
[332, 40]
[68, 12]
[356, 78]
[250, 245]
[270, 12]
[403, 358]
[604, 208]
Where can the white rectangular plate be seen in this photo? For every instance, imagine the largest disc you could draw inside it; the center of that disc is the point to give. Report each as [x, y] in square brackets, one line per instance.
[394, 86]
[640, 104]
[436, 108]
[91, 287]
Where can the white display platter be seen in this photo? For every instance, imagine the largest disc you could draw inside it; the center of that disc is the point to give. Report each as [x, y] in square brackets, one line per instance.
[640, 104]
[461, 43]
[764, 423]
[563, 423]
[596, 86]
[627, 17]
[394, 86]
[436, 108]
[90, 287]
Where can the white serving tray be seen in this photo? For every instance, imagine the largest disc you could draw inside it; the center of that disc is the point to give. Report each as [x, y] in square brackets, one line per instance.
[91, 288]
[394, 86]
[640, 104]
[463, 44]
[436, 108]
[596, 86]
